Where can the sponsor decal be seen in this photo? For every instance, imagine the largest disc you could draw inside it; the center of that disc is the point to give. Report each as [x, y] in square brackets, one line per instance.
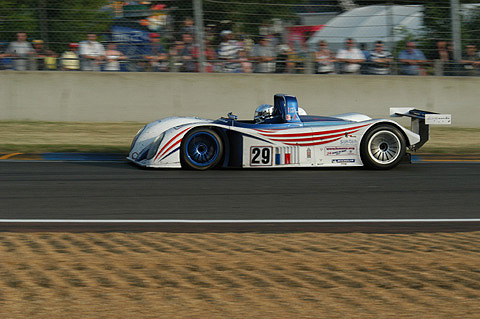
[309, 153]
[340, 150]
[438, 119]
[291, 110]
[348, 142]
[289, 117]
[343, 161]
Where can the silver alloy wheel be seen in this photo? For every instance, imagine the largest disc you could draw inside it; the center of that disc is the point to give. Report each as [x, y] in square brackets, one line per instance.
[384, 147]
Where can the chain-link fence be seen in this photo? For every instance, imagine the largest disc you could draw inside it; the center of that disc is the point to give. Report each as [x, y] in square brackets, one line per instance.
[438, 37]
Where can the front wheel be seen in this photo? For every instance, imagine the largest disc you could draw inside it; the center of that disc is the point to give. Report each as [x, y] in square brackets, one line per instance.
[201, 149]
[382, 147]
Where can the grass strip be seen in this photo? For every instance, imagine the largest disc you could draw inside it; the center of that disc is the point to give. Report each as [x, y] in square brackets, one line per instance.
[38, 137]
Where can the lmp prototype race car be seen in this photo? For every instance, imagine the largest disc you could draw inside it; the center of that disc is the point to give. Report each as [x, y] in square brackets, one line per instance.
[282, 135]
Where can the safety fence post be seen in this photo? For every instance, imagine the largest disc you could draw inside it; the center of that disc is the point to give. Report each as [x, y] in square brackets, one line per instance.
[199, 33]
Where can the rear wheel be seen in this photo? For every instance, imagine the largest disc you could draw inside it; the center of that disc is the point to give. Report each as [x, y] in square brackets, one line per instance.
[382, 147]
[201, 149]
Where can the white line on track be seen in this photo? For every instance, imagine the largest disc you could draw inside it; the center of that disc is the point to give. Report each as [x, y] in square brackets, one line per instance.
[234, 221]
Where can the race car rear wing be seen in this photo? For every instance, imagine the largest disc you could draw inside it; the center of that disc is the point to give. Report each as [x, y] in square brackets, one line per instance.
[421, 121]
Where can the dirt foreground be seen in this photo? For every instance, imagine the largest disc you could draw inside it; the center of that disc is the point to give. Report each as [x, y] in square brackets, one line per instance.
[304, 275]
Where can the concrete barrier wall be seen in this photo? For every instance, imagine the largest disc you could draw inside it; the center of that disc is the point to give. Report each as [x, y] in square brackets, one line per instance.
[143, 97]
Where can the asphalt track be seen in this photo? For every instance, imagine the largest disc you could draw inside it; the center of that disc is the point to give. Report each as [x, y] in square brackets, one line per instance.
[102, 191]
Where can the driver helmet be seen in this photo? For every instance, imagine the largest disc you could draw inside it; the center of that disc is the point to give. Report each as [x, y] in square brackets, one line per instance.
[263, 112]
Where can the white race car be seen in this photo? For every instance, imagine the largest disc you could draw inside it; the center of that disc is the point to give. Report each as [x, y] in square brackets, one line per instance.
[282, 135]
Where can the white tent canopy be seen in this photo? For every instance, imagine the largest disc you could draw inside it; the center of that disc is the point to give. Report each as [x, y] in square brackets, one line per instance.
[370, 24]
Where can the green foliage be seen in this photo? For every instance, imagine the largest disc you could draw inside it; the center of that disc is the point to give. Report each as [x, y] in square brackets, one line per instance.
[16, 16]
[248, 15]
[240, 16]
[406, 36]
[70, 21]
[438, 24]
[470, 29]
[57, 22]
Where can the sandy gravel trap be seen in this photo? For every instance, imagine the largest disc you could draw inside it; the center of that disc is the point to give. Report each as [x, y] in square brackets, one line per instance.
[304, 275]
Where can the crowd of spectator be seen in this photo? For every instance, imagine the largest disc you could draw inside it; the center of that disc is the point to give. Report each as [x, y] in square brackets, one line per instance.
[233, 55]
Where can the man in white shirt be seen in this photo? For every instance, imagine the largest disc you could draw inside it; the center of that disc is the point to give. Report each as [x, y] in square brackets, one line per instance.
[350, 58]
[21, 51]
[92, 53]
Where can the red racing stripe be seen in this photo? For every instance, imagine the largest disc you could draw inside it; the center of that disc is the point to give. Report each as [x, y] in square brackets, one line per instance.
[172, 146]
[286, 135]
[314, 143]
[270, 131]
[312, 139]
[171, 140]
[340, 130]
[314, 133]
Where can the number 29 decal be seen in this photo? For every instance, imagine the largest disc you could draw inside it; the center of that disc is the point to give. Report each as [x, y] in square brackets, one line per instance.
[261, 155]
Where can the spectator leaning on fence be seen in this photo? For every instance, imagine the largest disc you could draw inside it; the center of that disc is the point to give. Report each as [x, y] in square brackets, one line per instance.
[228, 52]
[210, 56]
[471, 61]
[380, 60]
[176, 60]
[444, 58]
[156, 56]
[21, 51]
[281, 64]
[246, 65]
[51, 61]
[304, 56]
[113, 58]
[264, 55]
[92, 53]
[364, 66]
[188, 27]
[187, 54]
[411, 60]
[38, 61]
[350, 58]
[4, 63]
[69, 59]
[324, 59]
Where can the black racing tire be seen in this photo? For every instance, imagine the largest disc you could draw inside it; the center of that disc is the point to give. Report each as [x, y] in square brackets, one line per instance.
[382, 147]
[201, 149]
